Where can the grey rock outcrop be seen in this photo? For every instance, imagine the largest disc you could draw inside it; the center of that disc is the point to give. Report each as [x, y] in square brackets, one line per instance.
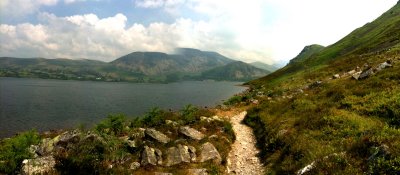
[157, 135]
[191, 133]
[149, 156]
[42, 165]
[209, 152]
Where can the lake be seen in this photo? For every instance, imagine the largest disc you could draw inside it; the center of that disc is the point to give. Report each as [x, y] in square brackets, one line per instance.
[58, 104]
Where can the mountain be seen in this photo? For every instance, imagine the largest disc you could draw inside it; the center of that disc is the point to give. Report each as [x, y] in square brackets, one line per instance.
[235, 71]
[307, 52]
[184, 60]
[333, 110]
[184, 64]
[261, 65]
[51, 68]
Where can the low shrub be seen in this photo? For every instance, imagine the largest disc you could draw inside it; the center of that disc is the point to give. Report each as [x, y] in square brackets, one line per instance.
[14, 150]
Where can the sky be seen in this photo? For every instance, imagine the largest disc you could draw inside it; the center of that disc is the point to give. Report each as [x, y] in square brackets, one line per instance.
[270, 31]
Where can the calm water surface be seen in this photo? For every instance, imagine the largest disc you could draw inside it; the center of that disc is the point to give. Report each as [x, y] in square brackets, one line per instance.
[55, 104]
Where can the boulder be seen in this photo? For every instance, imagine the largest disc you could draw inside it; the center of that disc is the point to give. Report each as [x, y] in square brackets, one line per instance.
[149, 156]
[191, 133]
[209, 152]
[383, 65]
[366, 73]
[336, 76]
[197, 172]
[177, 155]
[134, 165]
[67, 137]
[42, 165]
[46, 147]
[157, 135]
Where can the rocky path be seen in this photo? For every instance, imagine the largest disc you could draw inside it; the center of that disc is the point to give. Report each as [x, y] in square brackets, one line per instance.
[243, 157]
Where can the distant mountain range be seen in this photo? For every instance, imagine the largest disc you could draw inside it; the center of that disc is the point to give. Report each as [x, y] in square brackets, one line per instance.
[261, 65]
[184, 64]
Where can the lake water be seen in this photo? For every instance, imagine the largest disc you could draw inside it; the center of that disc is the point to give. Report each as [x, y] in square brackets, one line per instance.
[54, 104]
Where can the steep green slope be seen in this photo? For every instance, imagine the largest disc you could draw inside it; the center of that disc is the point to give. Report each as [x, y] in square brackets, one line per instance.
[235, 71]
[374, 38]
[308, 121]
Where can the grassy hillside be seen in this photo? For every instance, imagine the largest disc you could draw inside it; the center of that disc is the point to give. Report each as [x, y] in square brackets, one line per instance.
[306, 119]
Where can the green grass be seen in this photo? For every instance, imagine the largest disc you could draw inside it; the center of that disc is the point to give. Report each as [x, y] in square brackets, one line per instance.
[341, 123]
[14, 150]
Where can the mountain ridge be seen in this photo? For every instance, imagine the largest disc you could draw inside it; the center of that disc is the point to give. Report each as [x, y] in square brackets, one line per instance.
[186, 64]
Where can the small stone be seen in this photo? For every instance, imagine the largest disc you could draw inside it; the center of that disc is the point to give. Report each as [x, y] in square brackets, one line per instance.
[134, 165]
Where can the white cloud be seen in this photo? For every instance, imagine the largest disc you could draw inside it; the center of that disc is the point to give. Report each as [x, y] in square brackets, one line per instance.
[86, 36]
[17, 8]
[262, 30]
[157, 3]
